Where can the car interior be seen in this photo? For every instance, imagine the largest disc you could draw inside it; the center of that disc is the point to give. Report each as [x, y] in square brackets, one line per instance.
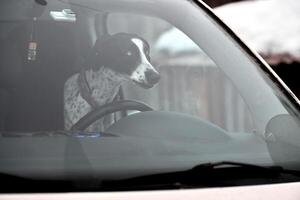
[197, 113]
[32, 101]
[62, 48]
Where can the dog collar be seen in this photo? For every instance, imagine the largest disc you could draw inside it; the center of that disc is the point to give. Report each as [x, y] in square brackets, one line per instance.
[85, 90]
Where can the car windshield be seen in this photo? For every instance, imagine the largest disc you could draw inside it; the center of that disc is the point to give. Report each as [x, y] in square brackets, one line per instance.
[123, 88]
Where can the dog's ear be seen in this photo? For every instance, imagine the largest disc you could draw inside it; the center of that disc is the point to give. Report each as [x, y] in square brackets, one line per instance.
[95, 55]
[99, 42]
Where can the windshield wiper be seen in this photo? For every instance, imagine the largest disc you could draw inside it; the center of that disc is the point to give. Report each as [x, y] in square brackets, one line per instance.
[271, 169]
[215, 174]
[218, 174]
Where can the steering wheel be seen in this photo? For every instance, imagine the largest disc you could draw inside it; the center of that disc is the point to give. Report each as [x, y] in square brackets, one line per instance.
[107, 109]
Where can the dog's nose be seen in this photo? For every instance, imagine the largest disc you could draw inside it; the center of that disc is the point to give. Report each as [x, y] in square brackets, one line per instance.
[152, 76]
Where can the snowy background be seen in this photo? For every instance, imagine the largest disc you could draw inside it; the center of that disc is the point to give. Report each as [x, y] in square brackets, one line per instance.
[271, 27]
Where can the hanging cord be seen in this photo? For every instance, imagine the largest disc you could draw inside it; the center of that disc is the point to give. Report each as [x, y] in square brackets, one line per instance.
[32, 46]
[37, 9]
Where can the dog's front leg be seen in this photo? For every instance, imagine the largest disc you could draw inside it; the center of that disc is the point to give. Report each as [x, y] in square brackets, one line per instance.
[74, 110]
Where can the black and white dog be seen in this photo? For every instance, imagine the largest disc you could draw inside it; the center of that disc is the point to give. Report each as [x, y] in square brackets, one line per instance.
[116, 58]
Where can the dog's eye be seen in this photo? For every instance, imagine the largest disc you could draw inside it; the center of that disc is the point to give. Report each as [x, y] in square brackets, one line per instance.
[129, 53]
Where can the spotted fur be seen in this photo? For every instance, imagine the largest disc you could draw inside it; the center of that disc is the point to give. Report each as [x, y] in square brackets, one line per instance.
[104, 82]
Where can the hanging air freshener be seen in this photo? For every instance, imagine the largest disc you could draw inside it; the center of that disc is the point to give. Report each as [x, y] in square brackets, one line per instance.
[32, 46]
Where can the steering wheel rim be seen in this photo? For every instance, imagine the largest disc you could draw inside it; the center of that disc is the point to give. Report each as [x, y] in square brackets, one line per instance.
[107, 109]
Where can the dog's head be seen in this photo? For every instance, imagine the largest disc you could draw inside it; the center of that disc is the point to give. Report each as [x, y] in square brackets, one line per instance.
[127, 54]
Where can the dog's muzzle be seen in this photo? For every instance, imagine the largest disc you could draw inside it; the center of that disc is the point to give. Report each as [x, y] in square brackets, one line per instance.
[152, 77]
[145, 76]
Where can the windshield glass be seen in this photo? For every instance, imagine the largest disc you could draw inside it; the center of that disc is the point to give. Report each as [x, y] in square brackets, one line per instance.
[122, 88]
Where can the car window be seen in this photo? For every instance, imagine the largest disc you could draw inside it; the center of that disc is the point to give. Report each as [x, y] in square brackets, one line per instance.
[190, 82]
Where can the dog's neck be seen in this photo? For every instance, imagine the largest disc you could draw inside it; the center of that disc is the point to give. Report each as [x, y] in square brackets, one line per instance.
[104, 84]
